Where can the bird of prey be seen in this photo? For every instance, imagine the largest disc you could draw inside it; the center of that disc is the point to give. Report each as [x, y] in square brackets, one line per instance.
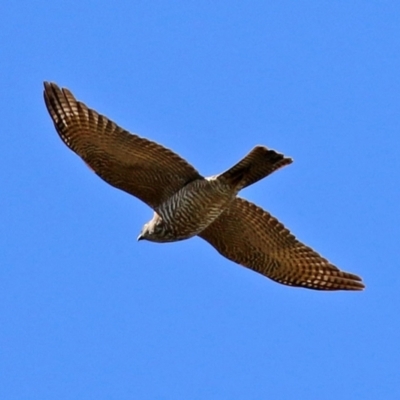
[186, 204]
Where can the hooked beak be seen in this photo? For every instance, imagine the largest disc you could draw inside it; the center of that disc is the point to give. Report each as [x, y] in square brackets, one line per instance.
[140, 237]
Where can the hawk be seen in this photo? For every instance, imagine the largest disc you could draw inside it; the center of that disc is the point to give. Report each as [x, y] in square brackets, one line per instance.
[187, 204]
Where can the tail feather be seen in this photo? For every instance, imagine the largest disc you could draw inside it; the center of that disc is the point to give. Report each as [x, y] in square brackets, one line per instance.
[256, 165]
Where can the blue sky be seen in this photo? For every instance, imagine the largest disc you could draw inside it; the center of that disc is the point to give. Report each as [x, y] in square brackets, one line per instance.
[86, 312]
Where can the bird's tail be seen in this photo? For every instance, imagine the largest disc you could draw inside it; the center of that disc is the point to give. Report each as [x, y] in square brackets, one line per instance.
[256, 165]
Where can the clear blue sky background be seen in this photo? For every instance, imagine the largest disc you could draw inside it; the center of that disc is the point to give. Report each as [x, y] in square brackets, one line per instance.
[86, 312]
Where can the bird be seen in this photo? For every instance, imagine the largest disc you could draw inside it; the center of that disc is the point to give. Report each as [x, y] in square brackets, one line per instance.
[187, 204]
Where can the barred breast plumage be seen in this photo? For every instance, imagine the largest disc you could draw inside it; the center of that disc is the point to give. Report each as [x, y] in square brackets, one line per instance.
[194, 207]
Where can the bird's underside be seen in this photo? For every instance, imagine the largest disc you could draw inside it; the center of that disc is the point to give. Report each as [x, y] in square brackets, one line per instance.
[238, 229]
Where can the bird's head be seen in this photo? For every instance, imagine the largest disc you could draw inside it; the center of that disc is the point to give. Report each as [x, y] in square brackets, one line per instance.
[154, 230]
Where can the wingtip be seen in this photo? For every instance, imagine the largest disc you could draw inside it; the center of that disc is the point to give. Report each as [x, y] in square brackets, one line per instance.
[47, 84]
[356, 286]
[48, 88]
[361, 286]
[347, 281]
[352, 283]
[356, 282]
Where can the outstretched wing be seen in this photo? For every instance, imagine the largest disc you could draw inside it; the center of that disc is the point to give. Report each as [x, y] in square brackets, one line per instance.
[136, 165]
[250, 236]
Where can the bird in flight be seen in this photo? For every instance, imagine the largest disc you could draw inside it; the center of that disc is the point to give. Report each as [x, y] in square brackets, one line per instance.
[187, 204]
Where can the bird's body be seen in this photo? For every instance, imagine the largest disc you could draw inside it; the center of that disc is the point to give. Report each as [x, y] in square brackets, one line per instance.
[194, 207]
[187, 204]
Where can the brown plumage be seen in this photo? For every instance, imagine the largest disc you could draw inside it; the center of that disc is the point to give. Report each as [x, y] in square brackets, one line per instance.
[187, 204]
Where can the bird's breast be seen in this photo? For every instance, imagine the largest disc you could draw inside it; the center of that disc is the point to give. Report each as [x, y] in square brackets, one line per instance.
[195, 206]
